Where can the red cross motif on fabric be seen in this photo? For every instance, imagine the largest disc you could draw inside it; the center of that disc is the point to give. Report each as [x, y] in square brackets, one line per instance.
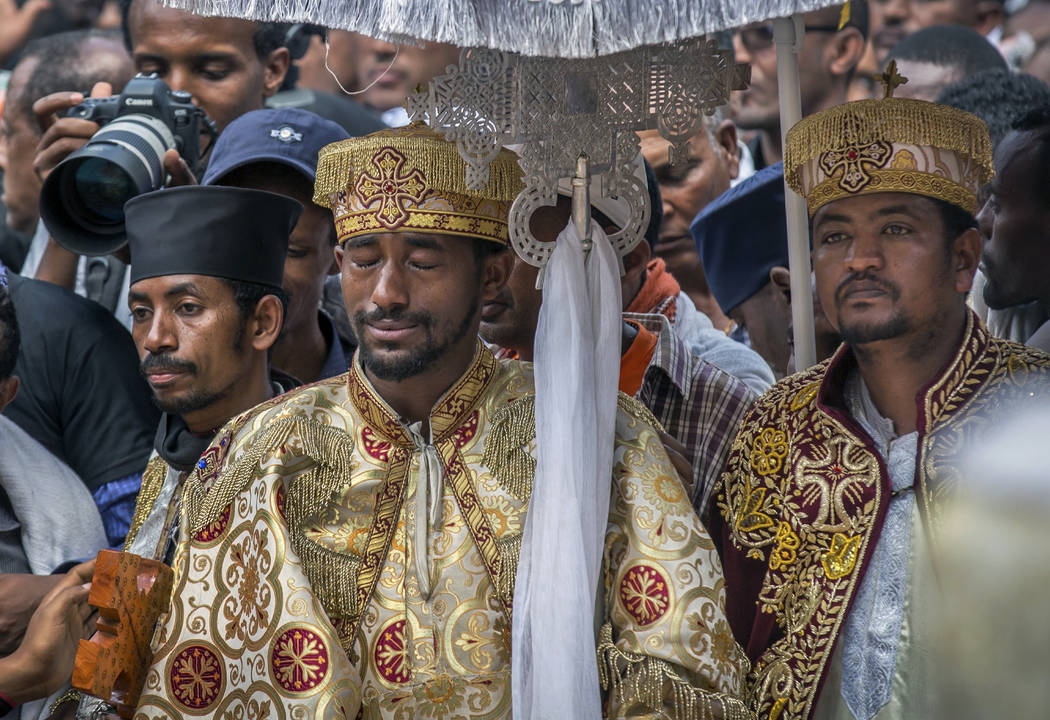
[853, 160]
[392, 186]
[300, 660]
[391, 653]
[196, 677]
[644, 594]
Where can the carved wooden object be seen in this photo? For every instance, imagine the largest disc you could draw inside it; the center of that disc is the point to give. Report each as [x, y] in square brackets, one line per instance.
[130, 593]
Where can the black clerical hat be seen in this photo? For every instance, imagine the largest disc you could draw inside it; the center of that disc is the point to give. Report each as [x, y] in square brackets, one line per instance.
[224, 232]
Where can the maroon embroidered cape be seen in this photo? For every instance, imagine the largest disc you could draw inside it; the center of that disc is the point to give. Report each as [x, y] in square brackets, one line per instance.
[804, 496]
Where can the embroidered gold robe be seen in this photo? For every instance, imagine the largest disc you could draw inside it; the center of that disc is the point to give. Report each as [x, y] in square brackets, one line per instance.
[297, 585]
[805, 493]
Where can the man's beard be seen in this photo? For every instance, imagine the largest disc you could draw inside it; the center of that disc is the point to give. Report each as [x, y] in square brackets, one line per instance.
[861, 333]
[415, 360]
[192, 401]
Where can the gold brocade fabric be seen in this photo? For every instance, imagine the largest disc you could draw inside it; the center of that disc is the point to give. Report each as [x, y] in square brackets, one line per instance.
[804, 496]
[296, 587]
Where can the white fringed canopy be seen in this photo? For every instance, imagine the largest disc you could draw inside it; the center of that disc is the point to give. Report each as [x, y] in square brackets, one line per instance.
[550, 28]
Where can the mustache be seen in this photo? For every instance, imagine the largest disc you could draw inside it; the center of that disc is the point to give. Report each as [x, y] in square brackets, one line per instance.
[866, 276]
[166, 361]
[423, 319]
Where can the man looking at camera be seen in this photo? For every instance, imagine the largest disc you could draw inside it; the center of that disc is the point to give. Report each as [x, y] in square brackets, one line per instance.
[830, 503]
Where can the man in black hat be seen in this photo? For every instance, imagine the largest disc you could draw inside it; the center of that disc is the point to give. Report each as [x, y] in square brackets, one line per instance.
[206, 305]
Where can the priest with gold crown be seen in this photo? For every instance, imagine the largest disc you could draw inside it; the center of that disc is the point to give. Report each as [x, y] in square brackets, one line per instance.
[830, 504]
[350, 549]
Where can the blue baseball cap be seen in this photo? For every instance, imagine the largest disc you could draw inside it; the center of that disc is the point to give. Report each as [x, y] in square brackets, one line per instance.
[741, 235]
[289, 136]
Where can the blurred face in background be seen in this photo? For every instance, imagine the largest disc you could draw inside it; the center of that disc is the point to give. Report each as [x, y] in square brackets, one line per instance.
[395, 77]
[688, 187]
[826, 56]
[893, 20]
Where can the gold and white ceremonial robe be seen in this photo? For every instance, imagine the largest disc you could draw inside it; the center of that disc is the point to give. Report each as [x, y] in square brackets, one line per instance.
[335, 563]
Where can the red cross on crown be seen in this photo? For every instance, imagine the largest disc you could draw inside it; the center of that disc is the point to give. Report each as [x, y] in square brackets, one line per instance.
[392, 186]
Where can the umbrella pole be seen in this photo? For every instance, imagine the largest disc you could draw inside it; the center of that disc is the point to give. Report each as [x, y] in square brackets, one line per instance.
[788, 35]
[581, 200]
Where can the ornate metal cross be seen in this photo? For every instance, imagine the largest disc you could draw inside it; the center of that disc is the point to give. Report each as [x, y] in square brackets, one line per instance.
[891, 80]
[558, 110]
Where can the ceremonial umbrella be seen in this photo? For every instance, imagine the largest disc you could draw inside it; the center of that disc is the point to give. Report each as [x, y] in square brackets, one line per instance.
[570, 83]
[574, 29]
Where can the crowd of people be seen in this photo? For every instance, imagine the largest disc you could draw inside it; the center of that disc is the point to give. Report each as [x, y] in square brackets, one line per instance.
[302, 377]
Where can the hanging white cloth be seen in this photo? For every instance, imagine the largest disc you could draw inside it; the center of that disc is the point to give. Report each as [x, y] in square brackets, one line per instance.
[577, 364]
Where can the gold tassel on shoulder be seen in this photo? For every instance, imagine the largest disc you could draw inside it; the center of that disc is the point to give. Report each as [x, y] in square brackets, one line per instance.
[507, 447]
[509, 549]
[333, 576]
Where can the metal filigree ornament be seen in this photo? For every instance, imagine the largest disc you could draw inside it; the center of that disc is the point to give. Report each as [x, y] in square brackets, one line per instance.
[559, 112]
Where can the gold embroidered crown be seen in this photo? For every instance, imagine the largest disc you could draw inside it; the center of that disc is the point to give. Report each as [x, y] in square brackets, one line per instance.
[889, 145]
[412, 178]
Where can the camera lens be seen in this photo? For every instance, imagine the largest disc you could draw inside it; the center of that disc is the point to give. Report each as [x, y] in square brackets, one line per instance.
[102, 187]
[82, 201]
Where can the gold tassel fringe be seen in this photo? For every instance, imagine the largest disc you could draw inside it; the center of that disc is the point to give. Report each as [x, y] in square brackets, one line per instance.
[333, 576]
[509, 550]
[506, 447]
[152, 483]
[203, 507]
[892, 120]
[652, 682]
[340, 164]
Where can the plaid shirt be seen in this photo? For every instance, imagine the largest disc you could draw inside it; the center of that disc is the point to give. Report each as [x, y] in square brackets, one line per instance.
[698, 404]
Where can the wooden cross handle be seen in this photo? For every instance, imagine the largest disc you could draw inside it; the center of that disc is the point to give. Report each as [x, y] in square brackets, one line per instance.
[130, 593]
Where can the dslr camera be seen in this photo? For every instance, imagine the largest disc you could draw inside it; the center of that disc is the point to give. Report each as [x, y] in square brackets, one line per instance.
[82, 200]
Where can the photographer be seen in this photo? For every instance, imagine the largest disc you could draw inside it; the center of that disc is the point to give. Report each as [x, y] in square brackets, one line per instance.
[229, 66]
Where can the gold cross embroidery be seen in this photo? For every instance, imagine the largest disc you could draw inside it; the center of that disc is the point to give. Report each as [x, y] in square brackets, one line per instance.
[853, 160]
[392, 186]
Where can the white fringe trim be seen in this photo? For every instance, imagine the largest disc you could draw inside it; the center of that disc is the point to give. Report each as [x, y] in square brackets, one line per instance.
[551, 28]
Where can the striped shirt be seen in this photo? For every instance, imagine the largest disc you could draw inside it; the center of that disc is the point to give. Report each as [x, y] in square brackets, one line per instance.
[698, 404]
